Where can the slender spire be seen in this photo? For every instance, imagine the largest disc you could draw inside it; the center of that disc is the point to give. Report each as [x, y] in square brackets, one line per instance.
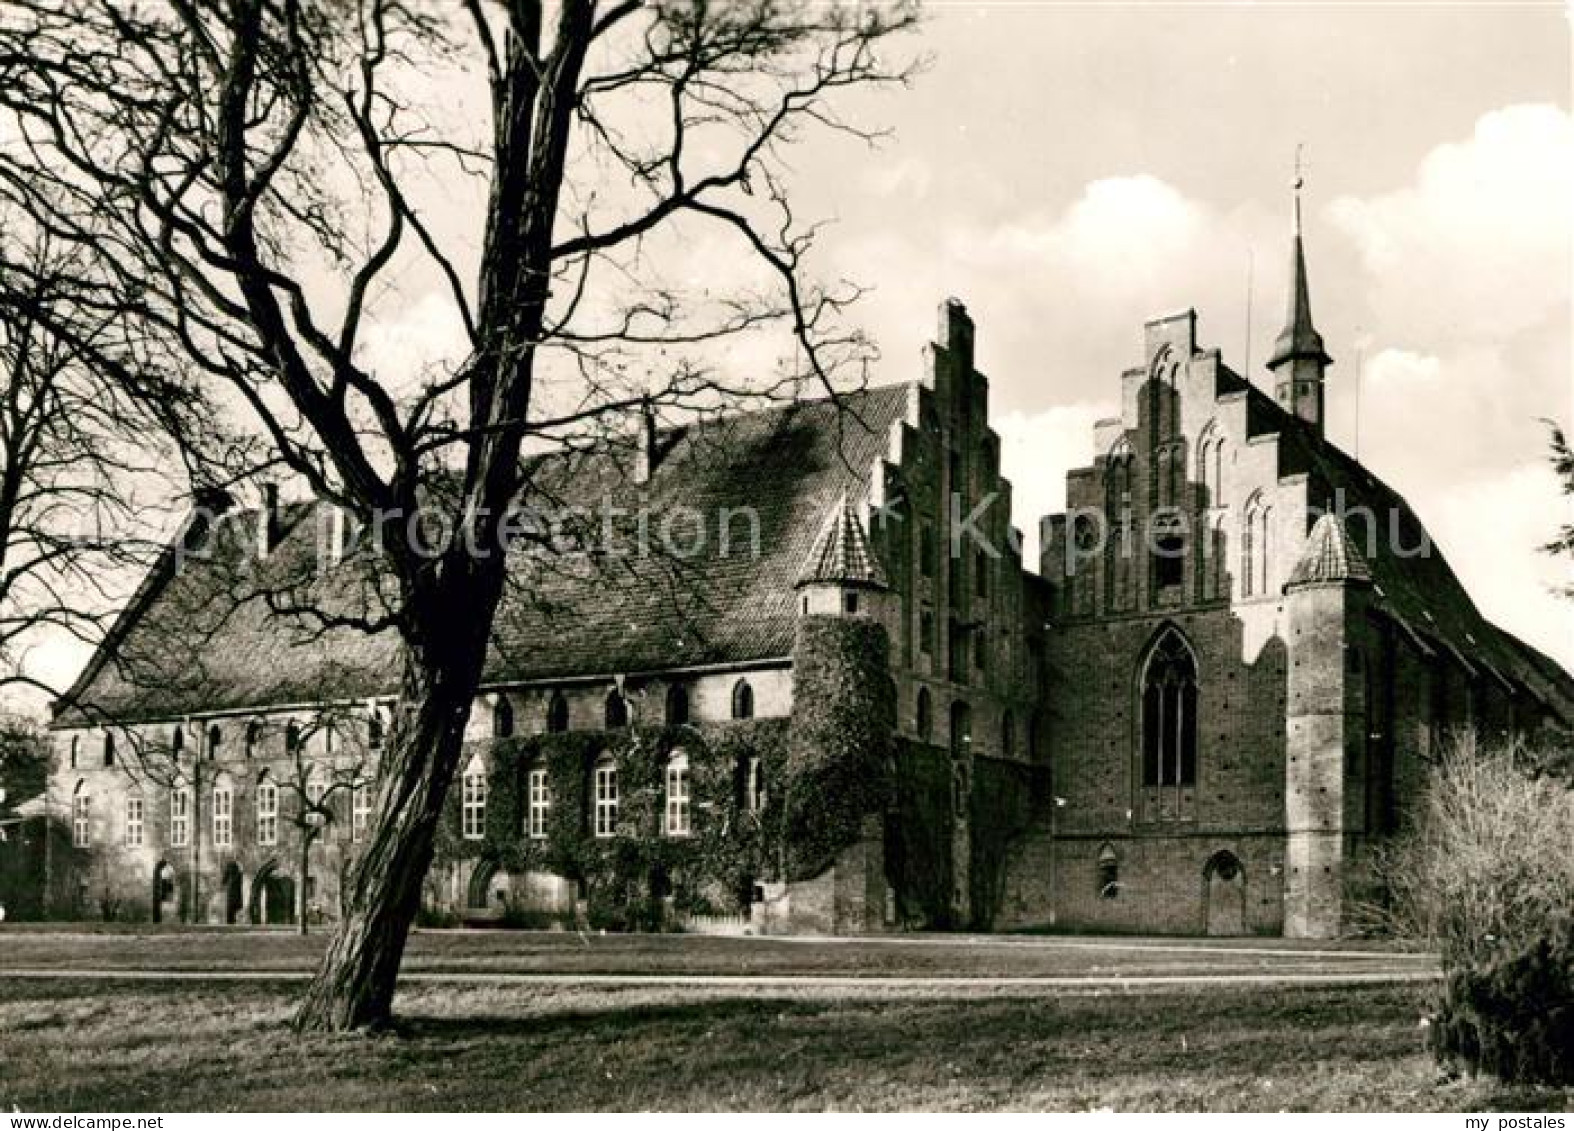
[1298, 358]
[1299, 338]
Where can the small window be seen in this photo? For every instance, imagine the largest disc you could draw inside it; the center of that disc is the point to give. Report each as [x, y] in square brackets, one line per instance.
[267, 812]
[677, 704]
[374, 729]
[109, 749]
[926, 548]
[177, 743]
[292, 737]
[253, 736]
[980, 648]
[677, 812]
[926, 631]
[742, 700]
[360, 811]
[557, 714]
[850, 602]
[925, 724]
[81, 818]
[76, 743]
[606, 798]
[180, 818]
[215, 741]
[134, 821]
[1108, 873]
[503, 718]
[538, 795]
[472, 801]
[1008, 734]
[223, 816]
[617, 710]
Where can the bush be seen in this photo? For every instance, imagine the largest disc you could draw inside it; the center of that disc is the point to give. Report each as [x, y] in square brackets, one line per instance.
[1486, 876]
[1514, 1018]
[1486, 869]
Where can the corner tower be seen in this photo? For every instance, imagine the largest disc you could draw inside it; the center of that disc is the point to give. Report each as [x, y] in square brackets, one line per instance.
[1299, 359]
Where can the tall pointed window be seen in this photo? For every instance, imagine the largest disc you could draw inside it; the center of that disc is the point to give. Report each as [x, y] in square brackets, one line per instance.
[1249, 524]
[503, 718]
[1169, 713]
[617, 710]
[177, 743]
[677, 704]
[742, 700]
[926, 716]
[557, 713]
[215, 741]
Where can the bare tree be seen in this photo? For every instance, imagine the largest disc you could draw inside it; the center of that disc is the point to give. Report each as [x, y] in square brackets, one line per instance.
[248, 180]
[84, 457]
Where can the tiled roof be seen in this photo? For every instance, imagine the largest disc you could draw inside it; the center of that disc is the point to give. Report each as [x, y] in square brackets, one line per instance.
[841, 554]
[200, 639]
[1329, 556]
[1418, 591]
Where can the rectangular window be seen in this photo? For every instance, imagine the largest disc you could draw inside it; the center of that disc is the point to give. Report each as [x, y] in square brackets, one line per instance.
[606, 801]
[81, 820]
[472, 812]
[267, 813]
[360, 812]
[540, 800]
[180, 818]
[678, 797]
[223, 818]
[133, 822]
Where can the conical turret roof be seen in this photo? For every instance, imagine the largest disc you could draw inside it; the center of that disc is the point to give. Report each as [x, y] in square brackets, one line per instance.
[1329, 556]
[841, 554]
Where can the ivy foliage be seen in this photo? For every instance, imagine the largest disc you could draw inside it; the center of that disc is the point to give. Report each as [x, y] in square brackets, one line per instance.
[839, 746]
[628, 878]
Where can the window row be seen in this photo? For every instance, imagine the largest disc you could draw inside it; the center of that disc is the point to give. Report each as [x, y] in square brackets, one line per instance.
[961, 725]
[605, 797]
[315, 810]
[253, 735]
[616, 712]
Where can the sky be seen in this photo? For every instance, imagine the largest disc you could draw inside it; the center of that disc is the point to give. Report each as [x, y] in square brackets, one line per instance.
[1069, 171]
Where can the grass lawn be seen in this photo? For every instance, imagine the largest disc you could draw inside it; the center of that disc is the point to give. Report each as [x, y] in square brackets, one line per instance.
[194, 1045]
[994, 956]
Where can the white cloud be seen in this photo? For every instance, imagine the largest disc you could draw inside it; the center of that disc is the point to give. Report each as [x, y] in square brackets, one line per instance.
[1479, 244]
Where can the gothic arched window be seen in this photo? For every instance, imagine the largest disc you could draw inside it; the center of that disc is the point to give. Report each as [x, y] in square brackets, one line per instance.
[503, 718]
[926, 718]
[1169, 713]
[617, 711]
[742, 700]
[677, 704]
[557, 713]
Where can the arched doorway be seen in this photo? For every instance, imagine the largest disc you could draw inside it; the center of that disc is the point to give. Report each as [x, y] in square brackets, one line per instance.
[231, 882]
[166, 893]
[272, 896]
[1224, 895]
[489, 890]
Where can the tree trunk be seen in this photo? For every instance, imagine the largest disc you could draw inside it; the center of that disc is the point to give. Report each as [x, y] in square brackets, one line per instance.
[300, 888]
[354, 986]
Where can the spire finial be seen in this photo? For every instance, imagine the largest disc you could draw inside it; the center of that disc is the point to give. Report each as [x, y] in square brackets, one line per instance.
[1297, 184]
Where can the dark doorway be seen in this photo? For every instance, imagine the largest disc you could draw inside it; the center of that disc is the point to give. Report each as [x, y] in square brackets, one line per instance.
[1224, 895]
[233, 903]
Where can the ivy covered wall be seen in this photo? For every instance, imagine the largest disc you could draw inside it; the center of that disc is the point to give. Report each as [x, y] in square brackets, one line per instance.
[626, 877]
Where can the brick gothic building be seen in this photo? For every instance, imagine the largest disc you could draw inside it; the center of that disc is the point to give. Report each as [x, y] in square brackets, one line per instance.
[1195, 717]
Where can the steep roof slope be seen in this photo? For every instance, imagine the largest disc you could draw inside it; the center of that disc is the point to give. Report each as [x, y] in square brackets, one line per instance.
[205, 637]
